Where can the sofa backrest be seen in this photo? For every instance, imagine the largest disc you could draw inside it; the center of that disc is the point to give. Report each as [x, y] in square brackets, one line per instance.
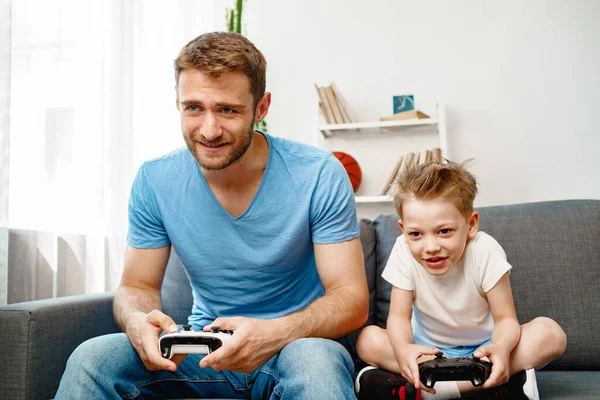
[555, 253]
[552, 246]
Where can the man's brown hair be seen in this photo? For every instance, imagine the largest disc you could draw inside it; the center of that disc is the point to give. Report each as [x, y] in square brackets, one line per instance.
[217, 53]
[437, 180]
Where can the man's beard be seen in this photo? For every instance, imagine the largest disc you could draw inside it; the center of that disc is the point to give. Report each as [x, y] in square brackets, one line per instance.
[240, 147]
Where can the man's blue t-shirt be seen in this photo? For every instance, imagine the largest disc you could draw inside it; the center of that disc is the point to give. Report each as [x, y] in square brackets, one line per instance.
[260, 264]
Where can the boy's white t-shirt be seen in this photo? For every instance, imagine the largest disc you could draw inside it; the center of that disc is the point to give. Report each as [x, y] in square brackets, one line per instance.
[451, 310]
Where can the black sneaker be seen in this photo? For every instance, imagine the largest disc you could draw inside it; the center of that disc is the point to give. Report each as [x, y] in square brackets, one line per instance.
[378, 384]
[520, 386]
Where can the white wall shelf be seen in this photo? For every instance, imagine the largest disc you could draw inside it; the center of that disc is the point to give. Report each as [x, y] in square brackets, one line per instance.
[380, 126]
[377, 146]
[373, 199]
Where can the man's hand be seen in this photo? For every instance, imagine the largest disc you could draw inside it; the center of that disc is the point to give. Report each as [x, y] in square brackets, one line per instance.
[143, 331]
[500, 359]
[407, 356]
[252, 344]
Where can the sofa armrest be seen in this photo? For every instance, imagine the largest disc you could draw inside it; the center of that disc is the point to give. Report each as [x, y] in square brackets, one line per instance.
[39, 336]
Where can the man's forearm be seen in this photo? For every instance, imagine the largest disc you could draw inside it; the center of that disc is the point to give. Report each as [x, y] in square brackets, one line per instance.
[332, 316]
[130, 301]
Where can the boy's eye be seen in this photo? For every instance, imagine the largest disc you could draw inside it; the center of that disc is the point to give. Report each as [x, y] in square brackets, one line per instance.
[414, 234]
[445, 231]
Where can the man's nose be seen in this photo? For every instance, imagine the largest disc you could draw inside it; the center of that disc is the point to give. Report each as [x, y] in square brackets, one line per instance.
[210, 128]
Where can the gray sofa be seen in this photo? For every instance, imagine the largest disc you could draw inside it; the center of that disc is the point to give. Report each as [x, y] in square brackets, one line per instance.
[553, 247]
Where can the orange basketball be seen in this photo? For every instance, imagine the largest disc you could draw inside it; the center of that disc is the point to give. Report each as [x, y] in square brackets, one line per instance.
[351, 167]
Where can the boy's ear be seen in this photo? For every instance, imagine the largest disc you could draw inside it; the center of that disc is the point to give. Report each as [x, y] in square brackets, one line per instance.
[473, 225]
[401, 226]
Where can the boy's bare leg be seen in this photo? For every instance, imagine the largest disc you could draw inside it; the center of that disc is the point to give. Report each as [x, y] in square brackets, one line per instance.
[373, 347]
[542, 341]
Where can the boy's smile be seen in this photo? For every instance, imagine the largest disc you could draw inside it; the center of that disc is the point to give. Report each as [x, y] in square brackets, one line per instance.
[436, 233]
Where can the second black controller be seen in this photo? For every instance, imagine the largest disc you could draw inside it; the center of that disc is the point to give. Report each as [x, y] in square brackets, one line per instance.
[454, 369]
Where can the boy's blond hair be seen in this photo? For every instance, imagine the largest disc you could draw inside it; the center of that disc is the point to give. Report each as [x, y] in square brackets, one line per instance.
[437, 180]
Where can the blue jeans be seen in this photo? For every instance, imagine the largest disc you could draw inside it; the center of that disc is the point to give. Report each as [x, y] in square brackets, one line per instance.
[108, 367]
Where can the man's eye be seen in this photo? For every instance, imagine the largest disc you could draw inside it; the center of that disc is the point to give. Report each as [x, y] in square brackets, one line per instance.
[227, 111]
[192, 108]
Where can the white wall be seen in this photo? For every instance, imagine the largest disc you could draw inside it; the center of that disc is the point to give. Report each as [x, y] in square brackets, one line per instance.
[520, 80]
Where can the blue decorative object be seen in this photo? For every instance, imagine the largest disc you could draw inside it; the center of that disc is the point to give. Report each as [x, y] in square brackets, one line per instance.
[404, 103]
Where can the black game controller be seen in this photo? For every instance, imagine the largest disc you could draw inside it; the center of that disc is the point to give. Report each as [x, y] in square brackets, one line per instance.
[454, 369]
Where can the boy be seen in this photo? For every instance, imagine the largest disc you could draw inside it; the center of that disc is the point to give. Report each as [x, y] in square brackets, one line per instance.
[451, 293]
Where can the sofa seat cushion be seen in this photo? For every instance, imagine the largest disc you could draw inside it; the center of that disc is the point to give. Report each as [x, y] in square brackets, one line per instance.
[567, 385]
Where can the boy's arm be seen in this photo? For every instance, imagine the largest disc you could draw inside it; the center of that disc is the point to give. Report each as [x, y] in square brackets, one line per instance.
[506, 332]
[399, 330]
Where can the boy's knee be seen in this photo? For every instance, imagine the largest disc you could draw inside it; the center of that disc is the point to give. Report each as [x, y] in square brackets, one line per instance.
[368, 342]
[553, 337]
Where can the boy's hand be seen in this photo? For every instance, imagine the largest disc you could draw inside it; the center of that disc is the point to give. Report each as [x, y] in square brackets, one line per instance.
[500, 357]
[409, 367]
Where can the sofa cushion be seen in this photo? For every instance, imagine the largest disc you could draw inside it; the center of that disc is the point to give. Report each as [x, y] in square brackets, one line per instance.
[553, 248]
[386, 232]
[176, 293]
[367, 237]
[568, 385]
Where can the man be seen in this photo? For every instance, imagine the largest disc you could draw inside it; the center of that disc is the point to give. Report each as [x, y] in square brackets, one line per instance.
[267, 231]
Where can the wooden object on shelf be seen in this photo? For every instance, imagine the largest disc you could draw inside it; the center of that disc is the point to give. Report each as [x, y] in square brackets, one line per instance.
[337, 114]
[401, 116]
[436, 154]
[423, 156]
[428, 156]
[324, 103]
[344, 104]
[390, 180]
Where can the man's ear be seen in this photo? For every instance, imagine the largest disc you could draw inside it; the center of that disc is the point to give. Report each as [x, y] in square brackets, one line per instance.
[263, 107]
[473, 225]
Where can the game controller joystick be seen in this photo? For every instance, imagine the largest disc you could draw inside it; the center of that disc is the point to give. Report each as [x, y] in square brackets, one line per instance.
[187, 341]
[454, 369]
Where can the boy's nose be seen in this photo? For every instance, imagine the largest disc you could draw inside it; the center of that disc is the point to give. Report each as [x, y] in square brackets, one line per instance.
[431, 245]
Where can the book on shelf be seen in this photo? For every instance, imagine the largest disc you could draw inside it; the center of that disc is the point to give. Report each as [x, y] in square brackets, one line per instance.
[423, 156]
[404, 162]
[410, 159]
[401, 116]
[333, 105]
[324, 105]
[337, 113]
[344, 106]
[390, 180]
[436, 154]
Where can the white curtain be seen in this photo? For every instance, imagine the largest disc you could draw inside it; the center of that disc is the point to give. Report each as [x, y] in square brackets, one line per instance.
[91, 98]
[5, 27]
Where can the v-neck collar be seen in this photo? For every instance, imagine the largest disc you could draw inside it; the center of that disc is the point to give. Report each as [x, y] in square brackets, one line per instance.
[258, 192]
